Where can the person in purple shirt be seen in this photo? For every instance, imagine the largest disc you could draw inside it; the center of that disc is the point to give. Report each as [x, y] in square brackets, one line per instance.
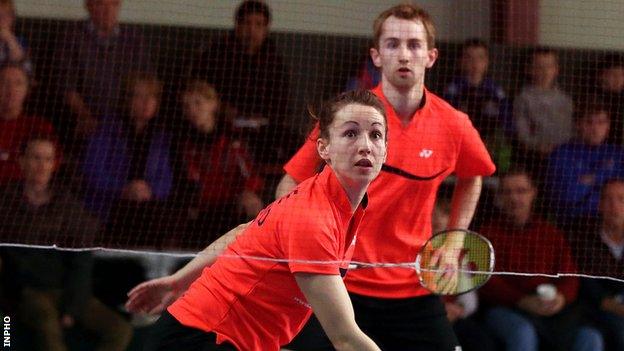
[94, 57]
[482, 99]
[578, 169]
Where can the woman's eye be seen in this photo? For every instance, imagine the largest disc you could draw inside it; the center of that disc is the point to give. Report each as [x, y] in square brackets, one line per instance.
[350, 133]
[376, 135]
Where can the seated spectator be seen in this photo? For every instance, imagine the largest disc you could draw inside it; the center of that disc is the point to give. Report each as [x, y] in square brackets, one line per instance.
[577, 170]
[460, 309]
[16, 126]
[610, 90]
[12, 48]
[542, 113]
[250, 75]
[482, 99]
[53, 286]
[93, 59]
[525, 243]
[127, 162]
[598, 247]
[367, 77]
[217, 183]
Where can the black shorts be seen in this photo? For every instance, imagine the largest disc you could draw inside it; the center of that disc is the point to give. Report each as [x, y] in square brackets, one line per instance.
[416, 324]
[169, 334]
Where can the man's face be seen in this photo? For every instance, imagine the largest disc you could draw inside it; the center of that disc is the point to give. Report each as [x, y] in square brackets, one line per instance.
[612, 79]
[612, 203]
[104, 13]
[143, 102]
[403, 54]
[13, 89]
[544, 70]
[594, 128]
[39, 163]
[517, 194]
[252, 30]
[201, 112]
[475, 61]
[6, 17]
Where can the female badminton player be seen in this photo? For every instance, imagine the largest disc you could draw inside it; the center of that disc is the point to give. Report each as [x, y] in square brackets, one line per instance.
[288, 261]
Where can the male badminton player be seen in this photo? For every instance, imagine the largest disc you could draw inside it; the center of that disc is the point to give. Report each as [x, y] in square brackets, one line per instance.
[428, 141]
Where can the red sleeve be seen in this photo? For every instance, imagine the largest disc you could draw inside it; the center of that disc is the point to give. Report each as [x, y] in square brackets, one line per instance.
[253, 182]
[311, 245]
[474, 159]
[304, 164]
[568, 286]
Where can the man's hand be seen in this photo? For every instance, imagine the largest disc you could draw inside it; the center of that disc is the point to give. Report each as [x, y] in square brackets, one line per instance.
[540, 307]
[67, 321]
[445, 260]
[614, 305]
[137, 190]
[454, 311]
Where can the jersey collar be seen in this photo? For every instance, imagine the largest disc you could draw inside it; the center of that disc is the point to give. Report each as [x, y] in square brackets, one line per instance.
[336, 193]
[391, 113]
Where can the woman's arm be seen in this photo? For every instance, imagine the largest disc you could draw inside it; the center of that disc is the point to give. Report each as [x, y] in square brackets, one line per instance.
[155, 295]
[331, 304]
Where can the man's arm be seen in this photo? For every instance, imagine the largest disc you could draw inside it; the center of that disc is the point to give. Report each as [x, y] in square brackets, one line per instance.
[330, 301]
[463, 205]
[465, 198]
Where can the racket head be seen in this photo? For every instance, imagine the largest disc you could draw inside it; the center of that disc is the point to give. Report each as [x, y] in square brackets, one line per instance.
[475, 262]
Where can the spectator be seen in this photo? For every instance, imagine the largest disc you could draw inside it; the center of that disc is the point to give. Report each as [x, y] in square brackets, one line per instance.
[460, 309]
[525, 243]
[16, 126]
[482, 99]
[218, 183]
[127, 163]
[542, 112]
[598, 247]
[367, 76]
[610, 90]
[12, 48]
[54, 286]
[577, 170]
[94, 57]
[251, 77]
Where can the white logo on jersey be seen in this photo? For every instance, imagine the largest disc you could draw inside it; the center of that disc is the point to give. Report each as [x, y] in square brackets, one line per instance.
[424, 153]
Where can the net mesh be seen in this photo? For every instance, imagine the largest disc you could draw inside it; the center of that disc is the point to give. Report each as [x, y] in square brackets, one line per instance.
[180, 177]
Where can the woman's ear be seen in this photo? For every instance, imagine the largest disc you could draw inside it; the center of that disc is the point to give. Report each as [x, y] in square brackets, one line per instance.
[323, 148]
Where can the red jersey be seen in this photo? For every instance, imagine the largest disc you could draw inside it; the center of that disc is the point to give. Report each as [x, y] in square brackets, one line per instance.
[13, 133]
[538, 247]
[438, 141]
[249, 297]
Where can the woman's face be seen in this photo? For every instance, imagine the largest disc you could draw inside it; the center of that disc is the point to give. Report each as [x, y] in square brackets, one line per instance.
[356, 148]
[143, 103]
[201, 112]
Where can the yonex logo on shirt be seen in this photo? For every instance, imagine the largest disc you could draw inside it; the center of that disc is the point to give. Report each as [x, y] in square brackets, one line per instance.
[424, 153]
